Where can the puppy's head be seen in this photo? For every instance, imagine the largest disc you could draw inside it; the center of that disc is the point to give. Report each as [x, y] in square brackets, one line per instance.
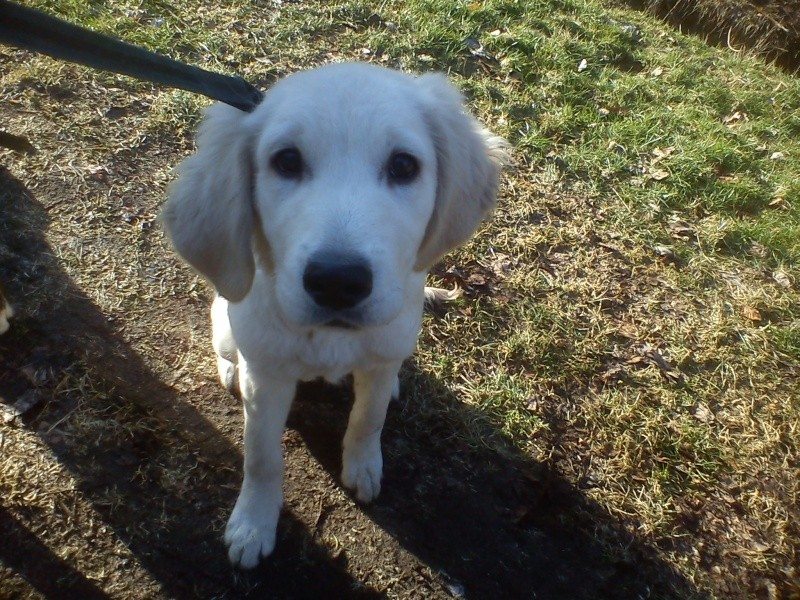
[345, 182]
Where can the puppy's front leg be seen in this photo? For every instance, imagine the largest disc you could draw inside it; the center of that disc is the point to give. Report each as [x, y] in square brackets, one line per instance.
[250, 534]
[362, 461]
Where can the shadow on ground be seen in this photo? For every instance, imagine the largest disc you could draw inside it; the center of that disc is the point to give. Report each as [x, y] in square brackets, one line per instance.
[448, 523]
[768, 28]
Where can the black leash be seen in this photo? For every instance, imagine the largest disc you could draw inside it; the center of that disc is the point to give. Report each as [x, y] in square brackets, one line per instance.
[31, 29]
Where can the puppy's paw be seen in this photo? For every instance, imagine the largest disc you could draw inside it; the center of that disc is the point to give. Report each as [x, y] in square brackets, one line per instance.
[362, 468]
[228, 374]
[250, 533]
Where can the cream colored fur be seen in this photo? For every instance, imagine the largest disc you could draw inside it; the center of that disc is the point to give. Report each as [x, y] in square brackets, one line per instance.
[252, 231]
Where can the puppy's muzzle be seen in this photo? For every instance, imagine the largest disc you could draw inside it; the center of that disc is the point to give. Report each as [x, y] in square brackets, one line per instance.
[338, 282]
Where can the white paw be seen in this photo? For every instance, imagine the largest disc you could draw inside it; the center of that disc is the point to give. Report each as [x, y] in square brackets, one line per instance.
[250, 533]
[362, 468]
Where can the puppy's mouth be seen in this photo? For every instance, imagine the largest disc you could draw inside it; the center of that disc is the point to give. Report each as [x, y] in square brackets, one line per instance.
[340, 324]
[350, 320]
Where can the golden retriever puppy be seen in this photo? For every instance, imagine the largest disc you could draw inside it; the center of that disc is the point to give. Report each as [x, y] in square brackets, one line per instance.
[316, 218]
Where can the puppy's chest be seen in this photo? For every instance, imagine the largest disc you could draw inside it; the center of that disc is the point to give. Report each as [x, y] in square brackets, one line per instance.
[328, 354]
[308, 354]
[332, 351]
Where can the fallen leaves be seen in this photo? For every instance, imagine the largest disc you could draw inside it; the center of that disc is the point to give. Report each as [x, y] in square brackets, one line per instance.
[782, 279]
[658, 174]
[682, 230]
[735, 118]
[751, 314]
[655, 172]
[651, 355]
[702, 413]
[644, 355]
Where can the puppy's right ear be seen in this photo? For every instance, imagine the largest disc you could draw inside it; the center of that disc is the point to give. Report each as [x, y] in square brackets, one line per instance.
[209, 214]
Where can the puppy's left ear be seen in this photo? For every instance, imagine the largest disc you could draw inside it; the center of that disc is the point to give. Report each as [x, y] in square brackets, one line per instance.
[469, 162]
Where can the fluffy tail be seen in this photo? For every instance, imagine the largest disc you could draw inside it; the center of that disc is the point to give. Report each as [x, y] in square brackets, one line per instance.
[435, 297]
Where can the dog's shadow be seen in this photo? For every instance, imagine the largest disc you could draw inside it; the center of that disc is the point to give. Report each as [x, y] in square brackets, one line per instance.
[494, 525]
[137, 433]
[483, 524]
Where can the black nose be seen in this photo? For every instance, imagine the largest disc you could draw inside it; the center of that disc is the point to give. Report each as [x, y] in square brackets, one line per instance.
[338, 282]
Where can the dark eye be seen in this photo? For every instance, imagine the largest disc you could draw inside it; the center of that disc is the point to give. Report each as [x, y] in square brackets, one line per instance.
[288, 163]
[402, 168]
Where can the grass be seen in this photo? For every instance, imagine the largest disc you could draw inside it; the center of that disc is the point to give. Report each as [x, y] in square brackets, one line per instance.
[636, 303]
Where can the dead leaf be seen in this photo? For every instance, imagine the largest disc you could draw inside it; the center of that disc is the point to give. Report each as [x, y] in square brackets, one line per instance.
[583, 65]
[657, 72]
[652, 355]
[613, 373]
[782, 279]
[682, 229]
[735, 118]
[777, 156]
[751, 313]
[500, 264]
[758, 250]
[779, 202]
[658, 174]
[660, 154]
[702, 413]
[476, 279]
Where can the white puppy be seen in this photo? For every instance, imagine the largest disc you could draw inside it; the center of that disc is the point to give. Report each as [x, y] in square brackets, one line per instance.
[316, 217]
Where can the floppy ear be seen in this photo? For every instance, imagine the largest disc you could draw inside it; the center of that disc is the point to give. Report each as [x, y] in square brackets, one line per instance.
[209, 214]
[469, 162]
